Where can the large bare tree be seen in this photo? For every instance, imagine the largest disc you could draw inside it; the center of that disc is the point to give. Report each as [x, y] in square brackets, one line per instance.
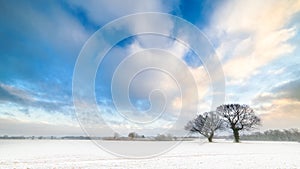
[238, 117]
[205, 124]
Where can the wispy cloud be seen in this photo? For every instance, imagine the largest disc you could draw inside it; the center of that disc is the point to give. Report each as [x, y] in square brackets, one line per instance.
[279, 106]
[251, 34]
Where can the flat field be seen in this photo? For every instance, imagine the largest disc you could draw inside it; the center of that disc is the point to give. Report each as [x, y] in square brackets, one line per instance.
[188, 154]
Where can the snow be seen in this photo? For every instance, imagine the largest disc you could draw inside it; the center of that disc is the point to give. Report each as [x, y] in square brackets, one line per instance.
[188, 154]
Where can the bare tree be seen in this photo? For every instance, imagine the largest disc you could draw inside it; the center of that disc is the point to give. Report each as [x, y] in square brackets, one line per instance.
[205, 124]
[132, 135]
[238, 117]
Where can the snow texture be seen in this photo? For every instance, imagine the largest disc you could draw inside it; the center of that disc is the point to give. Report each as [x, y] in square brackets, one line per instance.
[188, 154]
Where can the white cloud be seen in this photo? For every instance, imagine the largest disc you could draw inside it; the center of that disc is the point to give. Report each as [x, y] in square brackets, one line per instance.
[280, 113]
[279, 108]
[11, 126]
[251, 34]
[24, 113]
[54, 27]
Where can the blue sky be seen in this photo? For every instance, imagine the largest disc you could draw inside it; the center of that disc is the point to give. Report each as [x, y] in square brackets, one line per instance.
[257, 43]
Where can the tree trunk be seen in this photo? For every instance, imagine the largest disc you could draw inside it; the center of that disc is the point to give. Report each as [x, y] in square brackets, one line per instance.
[210, 137]
[236, 135]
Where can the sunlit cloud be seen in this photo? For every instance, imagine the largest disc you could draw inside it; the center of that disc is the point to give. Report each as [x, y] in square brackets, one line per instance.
[251, 34]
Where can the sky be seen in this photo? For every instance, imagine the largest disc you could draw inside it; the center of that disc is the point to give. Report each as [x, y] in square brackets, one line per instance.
[256, 43]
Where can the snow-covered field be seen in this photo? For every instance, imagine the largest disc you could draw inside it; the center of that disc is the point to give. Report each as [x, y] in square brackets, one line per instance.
[188, 154]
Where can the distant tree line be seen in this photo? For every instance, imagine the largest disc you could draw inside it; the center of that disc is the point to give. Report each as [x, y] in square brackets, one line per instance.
[12, 137]
[274, 135]
[134, 135]
[48, 137]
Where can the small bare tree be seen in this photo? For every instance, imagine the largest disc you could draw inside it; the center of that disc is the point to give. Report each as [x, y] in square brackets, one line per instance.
[205, 124]
[132, 135]
[238, 117]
